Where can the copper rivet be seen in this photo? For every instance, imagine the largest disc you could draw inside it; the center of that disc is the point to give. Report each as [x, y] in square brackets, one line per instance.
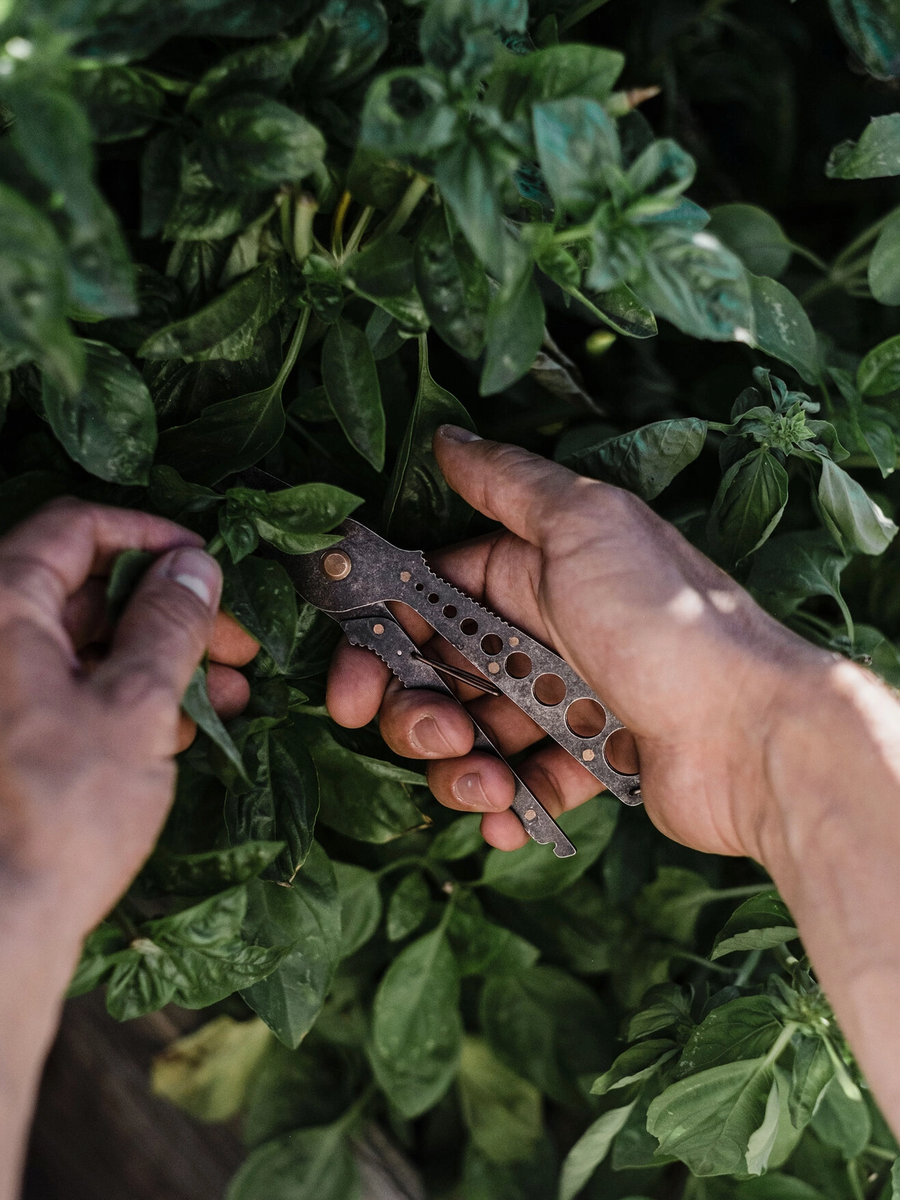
[493, 668]
[336, 565]
[405, 577]
[530, 814]
[587, 755]
[514, 641]
[378, 629]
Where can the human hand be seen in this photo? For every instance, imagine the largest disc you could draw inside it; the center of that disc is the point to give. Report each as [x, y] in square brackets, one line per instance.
[682, 654]
[90, 717]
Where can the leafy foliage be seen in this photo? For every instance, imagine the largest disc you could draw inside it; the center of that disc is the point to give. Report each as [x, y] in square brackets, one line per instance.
[305, 235]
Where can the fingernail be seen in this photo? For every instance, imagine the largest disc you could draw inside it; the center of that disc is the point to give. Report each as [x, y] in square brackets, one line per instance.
[427, 738]
[456, 433]
[468, 791]
[198, 572]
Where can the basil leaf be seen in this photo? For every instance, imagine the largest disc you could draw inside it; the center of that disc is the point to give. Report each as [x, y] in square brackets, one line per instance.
[354, 393]
[749, 504]
[577, 147]
[295, 520]
[360, 905]
[744, 1028]
[646, 460]
[782, 327]
[884, 274]
[869, 27]
[759, 924]
[515, 330]
[305, 1164]
[590, 1150]
[755, 237]
[879, 371]
[260, 596]
[197, 705]
[850, 514]
[452, 284]
[501, 1110]
[408, 907]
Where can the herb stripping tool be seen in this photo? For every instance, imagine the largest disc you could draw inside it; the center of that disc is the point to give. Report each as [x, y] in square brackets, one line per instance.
[353, 582]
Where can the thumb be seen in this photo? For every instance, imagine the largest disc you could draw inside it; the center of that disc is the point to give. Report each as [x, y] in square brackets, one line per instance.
[519, 489]
[165, 628]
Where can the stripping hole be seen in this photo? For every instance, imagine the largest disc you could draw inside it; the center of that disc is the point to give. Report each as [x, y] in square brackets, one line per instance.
[621, 752]
[518, 665]
[433, 598]
[549, 689]
[469, 625]
[450, 610]
[420, 587]
[491, 644]
[585, 717]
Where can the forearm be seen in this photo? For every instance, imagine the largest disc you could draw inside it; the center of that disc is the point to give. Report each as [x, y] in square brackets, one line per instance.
[37, 957]
[832, 845]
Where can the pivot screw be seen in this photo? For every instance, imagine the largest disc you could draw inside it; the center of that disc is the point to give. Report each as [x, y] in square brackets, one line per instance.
[336, 565]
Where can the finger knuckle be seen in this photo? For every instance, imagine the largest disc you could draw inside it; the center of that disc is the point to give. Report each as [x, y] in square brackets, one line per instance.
[143, 688]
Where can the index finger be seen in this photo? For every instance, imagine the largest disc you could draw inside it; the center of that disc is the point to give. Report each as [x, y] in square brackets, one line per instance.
[50, 555]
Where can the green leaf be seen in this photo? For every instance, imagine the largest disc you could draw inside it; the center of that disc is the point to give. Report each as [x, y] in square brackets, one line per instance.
[759, 924]
[554, 73]
[406, 113]
[383, 268]
[515, 330]
[693, 281]
[531, 1179]
[363, 798]
[879, 371]
[408, 907]
[461, 838]
[744, 1028]
[578, 147]
[842, 1121]
[295, 520]
[782, 327]
[227, 327]
[792, 567]
[665, 1006]
[481, 947]
[252, 143]
[884, 271]
[749, 504]
[210, 871]
[471, 177]
[416, 1026]
[535, 872]
[346, 39]
[360, 905]
[869, 27]
[262, 68]
[282, 802]
[850, 514]
[501, 1110]
[875, 155]
[260, 596]
[547, 1027]
[813, 1070]
[306, 917]
[128, 570]
[420, 508]
[306, 1164]
[620, 309]
[635, 1064]
[452, 284]
[52, 133]
[590, 1150]
[351, 381]
[646, 460]
[670, 905]
[728, 1106]
[109, 424]
[207, 1073]
[197, 705]
[755, 237]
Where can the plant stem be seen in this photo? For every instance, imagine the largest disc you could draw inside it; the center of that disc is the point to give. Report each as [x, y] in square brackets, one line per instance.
[701, 961]
[781, 1043]
[748, 968]
[215, 545]
[810, 257]
[337, 224]
[358, 230]
[293, 349]
[405, 206]
[856, 1186]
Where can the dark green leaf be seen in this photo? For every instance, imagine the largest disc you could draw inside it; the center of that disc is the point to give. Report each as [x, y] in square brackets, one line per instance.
[554, 73]
[262, 68]
[635, 1064]
[471, 177]
[252, 143]
[742, 1028]
[759, 924]
[452, 284]
[121, 102]
[755, 237]
[294, 520]
[751, 499]
[879, 371]
[408, 907]
[843, 1121]
[869, 27]
[670, 905]
[646, 460]
[383, 268]
[420, 508]
[306, 1164]
[812, 1072]
[109, 424]
[360, 905]
[590, 1150]
[577, 148]
[406, 112]
[354, 393]
[851, 514]
[211, 871]
[501, 1110]
[782, 327]
[261, 597]
[534, 871]
[197, 705]
[306, 917]
[792, 567]
[515, 329]
[884, 271]
[416, 1026]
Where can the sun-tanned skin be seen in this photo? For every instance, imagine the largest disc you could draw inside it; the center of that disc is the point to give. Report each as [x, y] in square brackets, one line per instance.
[750, 740]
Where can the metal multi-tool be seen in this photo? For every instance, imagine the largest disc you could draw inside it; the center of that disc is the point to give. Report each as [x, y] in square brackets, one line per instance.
[354, 581]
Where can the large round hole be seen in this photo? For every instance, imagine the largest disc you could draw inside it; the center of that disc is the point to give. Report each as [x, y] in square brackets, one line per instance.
[450, 611]
[420, 587]
[469, 626]
[433, 598]
[518, 665]
[585, 717]
[491, 644]
[549, 689]
[621, 752]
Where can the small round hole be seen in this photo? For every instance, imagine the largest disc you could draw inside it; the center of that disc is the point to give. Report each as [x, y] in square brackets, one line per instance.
[585, 717]
[433, 598]
[491, 644]
[549, 689]
[420, 587]
[450, 610]
[621, 752]
[469, 626]
[518, 665]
